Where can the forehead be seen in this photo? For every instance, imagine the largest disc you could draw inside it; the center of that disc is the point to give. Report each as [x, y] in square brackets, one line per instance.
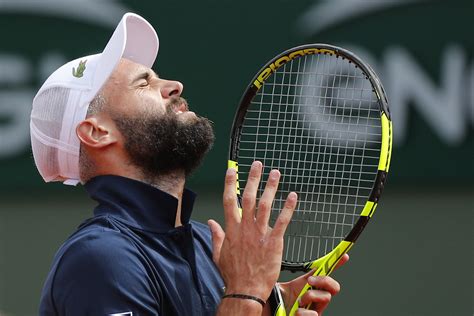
[127, 69]
[124, 76]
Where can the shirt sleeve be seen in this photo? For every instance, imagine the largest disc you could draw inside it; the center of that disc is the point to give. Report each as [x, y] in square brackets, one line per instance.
[104, 274]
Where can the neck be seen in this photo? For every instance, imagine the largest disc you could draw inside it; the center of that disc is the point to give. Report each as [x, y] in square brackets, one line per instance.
[173, 184]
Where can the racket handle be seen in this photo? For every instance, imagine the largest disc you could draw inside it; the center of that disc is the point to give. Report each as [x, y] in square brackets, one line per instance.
[277, 306]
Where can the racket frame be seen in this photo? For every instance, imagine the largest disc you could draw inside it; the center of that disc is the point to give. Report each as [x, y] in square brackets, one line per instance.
[326, 264]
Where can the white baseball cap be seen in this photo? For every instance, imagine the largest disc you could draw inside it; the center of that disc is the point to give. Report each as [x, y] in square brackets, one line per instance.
[62, 102]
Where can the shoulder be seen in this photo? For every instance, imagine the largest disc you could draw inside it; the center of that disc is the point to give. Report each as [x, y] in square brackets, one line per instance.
[96, 268]
[96, 251]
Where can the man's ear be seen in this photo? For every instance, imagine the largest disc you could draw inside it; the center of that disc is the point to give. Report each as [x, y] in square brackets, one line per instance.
[94, 134]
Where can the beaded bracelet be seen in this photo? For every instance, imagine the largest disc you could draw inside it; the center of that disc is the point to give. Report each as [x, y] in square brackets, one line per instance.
[245, 297]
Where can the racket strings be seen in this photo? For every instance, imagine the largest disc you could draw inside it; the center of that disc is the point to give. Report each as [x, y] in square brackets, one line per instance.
[317, 120]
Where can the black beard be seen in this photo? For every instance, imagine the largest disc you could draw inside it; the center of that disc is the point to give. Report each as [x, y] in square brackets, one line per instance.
[162, 144]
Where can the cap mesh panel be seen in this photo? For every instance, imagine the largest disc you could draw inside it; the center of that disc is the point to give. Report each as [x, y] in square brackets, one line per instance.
[47, 116]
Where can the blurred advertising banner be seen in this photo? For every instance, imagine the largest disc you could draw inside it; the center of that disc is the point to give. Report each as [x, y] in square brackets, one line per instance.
[422, 50]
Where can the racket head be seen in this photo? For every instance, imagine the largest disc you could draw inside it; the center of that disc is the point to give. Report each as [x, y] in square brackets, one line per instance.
[320, 115]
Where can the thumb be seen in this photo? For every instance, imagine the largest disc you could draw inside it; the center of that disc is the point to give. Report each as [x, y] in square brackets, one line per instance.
[217, 239]
[301, 281]
[295, 286]
[291, 289]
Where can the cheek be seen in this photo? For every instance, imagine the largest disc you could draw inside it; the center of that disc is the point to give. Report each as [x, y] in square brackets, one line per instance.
[142, 102]
[136, 103]
[122, 101]
[152, 103]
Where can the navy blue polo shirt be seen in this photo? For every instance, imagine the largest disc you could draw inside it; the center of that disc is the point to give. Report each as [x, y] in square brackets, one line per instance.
[129, 259]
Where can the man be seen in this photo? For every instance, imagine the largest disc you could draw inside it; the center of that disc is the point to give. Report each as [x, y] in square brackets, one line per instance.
[109, 122]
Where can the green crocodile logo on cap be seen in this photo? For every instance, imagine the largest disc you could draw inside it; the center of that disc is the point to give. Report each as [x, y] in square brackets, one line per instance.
[79, 72]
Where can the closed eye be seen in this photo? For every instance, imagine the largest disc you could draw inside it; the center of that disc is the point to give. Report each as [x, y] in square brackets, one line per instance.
[143, 79]
[143, 83]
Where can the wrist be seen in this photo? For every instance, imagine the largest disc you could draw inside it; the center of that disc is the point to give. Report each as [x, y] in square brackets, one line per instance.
[255, 291]
[236, 306]
[245, 297]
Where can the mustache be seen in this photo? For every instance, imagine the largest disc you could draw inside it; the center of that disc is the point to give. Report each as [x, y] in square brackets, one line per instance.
[177, 103]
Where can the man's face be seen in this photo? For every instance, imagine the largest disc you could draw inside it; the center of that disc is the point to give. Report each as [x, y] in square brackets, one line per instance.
[134, 89]
[160, 134]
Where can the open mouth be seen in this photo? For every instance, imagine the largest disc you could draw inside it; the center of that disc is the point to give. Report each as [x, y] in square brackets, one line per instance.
[180, 106]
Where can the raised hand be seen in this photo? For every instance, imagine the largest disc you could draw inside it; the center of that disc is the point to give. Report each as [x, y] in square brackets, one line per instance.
[249, 252]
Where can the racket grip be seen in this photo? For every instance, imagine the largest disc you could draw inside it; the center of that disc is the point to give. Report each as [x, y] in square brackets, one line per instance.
[296, 305]
[277, 306]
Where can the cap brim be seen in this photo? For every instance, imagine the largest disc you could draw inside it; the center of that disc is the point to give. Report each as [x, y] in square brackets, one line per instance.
[134, 39]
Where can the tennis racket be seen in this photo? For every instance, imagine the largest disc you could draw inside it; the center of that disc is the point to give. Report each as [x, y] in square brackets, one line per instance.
[319, 114]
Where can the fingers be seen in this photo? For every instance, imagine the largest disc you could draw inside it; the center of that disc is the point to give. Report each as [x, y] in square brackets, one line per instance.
[266, 200]
[218, 236]
[249, 199]
[250, 193]
[324, 288]
[305, 312]
[342, 261]
[318, 300]
[231, 210]
[285, 216]
[324, 283]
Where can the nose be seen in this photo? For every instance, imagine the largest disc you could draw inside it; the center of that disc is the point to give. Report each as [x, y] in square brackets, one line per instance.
[171, 88]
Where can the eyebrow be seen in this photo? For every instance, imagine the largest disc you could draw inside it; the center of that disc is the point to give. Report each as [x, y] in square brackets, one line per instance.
[147, 74]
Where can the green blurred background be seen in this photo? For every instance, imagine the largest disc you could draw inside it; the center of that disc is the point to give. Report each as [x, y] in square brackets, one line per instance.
[414, 259]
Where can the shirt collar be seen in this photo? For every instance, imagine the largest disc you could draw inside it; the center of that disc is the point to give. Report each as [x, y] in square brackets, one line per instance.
[140, 204]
